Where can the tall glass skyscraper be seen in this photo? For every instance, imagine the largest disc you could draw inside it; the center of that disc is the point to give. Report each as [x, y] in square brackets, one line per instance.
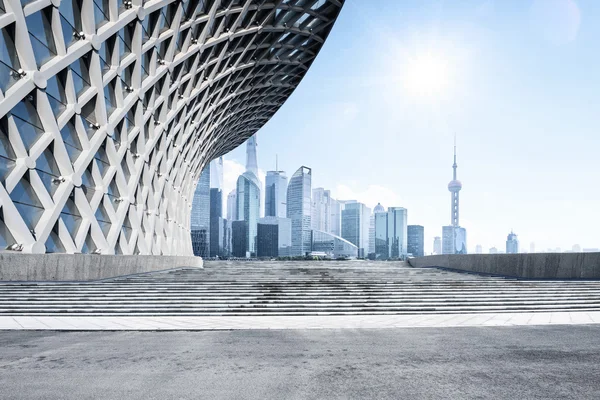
[381, 239]
[356, 219]
[391, 234]
[335, 220]
[298, 210]
[216, 173]
[321, 210]
[217, 227]
[437, 245]
[248, 207]
[448, 239]
[200, 219]
[231, 205]
[276, 194]
[397, 232]
[416, 240]
[377, 209]
[217, 223]
[248, 199]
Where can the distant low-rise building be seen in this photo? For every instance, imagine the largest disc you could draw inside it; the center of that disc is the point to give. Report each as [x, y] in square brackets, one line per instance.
[274, 237]
[332, 246]
[454, 240]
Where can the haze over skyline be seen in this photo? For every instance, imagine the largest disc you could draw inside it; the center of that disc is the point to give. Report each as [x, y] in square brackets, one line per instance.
[517, 81]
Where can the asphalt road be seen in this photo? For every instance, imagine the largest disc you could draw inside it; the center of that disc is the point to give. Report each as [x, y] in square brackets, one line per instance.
[506, 363]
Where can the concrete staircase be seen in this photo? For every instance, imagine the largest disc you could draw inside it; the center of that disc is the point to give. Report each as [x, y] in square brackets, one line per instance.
[297, 288]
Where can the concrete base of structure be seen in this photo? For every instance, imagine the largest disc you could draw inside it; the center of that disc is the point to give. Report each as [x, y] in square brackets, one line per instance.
[533, 266]
[84, 267]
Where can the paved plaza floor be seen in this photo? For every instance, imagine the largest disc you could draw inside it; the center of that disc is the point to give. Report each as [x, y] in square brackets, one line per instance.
[525, 362]
[295, 331]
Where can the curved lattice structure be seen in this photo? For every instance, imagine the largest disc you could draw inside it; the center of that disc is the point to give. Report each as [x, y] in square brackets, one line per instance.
[109, 110]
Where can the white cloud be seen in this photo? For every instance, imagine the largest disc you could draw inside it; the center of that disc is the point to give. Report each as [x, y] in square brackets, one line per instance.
[371, 195]
[231, 171]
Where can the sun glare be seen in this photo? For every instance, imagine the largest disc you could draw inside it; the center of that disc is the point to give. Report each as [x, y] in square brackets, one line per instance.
[426, 75]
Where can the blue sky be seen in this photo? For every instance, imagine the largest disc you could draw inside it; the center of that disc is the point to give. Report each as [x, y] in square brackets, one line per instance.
[518, 81]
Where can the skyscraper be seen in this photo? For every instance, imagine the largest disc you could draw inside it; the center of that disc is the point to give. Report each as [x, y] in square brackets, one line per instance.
[478, 249]
[231, 205]
[378, 208]
[437, 245]
[217, 227]
[382, 251]
[216, 173]
[248, 199]
[239, 245]
[321, 210]
[416, 240]
[512, 243]
[200, 218]
[397, 232]
[251, 157]
[391, 239]
[217, 223]
[355, 225]
[276, 194]
[298, 210]
[448, 233]
[454, 238]
[335, 220]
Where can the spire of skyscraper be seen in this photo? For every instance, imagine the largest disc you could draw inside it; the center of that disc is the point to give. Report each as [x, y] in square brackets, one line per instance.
[454, 166]
[251, 159]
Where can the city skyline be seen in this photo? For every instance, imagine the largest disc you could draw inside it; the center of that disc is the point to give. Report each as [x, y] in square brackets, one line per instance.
[229, 168]
[522, 105]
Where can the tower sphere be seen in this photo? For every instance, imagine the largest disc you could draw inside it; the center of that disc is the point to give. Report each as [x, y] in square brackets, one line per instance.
[454, 185]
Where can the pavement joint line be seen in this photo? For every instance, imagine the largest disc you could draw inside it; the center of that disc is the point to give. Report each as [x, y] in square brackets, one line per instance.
[41, 322]
[17, 322]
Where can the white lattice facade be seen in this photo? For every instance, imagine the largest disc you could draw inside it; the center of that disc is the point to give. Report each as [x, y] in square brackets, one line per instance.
[109, 110]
